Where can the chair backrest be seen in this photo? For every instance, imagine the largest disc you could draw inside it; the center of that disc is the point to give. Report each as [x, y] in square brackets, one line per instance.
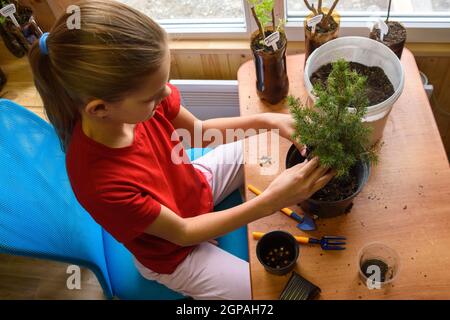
[39, 214]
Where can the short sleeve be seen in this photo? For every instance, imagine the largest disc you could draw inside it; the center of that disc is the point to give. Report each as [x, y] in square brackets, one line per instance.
[125, 214]
[171, 105]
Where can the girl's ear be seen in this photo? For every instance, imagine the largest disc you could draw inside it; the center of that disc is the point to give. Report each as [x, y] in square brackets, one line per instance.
[97, 108]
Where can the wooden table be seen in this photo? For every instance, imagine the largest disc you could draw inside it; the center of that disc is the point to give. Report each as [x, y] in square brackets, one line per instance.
[405, 204]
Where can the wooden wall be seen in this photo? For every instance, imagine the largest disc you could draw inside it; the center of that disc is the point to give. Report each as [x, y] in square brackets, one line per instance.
[216, 66]
[213, 59]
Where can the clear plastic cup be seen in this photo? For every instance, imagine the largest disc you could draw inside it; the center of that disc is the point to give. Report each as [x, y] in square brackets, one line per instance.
[379, 265]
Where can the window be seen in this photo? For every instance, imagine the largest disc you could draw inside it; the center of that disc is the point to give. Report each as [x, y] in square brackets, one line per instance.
[194, 15]
[415, 8]
[426, 20]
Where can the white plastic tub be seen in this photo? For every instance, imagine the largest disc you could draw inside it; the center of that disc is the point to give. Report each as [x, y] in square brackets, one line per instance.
[370, 53]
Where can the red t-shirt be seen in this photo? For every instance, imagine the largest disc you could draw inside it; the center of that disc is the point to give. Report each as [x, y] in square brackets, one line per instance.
[123, 188]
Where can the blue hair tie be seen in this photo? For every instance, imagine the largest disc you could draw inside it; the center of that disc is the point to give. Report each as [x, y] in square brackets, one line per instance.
[43, 43]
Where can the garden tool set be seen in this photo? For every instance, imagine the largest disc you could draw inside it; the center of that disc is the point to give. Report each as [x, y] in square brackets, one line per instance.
[326, 242]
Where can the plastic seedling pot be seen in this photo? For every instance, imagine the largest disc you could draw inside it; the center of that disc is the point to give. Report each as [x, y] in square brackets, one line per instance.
[272, 82]
[379, 265]
[278, 252]
[394, 40]
[318, 38]
[370, 53]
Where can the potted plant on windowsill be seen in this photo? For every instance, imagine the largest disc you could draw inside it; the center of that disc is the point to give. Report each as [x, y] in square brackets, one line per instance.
[321, 26]
[337, 136]
[390, 33]
[268, 45]
[12, 35]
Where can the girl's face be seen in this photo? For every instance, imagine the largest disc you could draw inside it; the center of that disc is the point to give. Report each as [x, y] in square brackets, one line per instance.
[140, 105]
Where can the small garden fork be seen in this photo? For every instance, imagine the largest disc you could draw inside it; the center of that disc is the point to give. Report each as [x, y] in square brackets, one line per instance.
[326, 242]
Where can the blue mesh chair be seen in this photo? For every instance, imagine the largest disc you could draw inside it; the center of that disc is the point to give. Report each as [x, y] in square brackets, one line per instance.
[41, 218]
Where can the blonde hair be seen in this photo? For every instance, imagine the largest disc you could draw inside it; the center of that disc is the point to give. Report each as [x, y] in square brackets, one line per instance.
[115, 48]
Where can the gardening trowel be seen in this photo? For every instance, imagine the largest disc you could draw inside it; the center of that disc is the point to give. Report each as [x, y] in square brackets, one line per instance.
[306, 223]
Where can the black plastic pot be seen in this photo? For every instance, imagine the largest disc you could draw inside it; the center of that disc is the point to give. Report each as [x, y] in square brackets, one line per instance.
[274, 241]
[329, 209]
[272, 83]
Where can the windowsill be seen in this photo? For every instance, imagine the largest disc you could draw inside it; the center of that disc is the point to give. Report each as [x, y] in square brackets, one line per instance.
[418, 31]
[242, 46]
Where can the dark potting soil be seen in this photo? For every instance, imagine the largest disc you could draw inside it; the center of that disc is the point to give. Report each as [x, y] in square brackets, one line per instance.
[379, 88]
[332, 25]
[256, 42]
[338, 189]
[375, 262]
[278, 257]
[396, 34]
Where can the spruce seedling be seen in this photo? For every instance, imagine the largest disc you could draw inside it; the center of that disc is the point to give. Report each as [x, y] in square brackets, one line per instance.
[335, 133]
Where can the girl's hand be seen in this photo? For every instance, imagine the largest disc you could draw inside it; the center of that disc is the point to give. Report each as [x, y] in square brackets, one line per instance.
[286, 125]
[297, 183]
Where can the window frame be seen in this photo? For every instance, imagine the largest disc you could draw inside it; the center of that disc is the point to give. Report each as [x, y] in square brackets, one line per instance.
[218, 28]
[429, 28]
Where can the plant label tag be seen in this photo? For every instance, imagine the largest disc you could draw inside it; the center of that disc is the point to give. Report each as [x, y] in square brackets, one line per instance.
[272, 40]
[384, 29]
[314, 21]
[8, 11]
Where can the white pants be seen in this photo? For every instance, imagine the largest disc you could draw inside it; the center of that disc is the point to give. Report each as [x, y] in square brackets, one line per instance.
[210, 272]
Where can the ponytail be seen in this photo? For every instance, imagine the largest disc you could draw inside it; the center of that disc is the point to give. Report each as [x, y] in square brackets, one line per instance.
[60, 108]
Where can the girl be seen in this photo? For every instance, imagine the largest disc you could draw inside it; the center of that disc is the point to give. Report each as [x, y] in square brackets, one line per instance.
[104, 88]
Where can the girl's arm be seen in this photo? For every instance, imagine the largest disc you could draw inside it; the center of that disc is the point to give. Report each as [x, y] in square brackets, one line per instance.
[186, 120]
[191, 231]
[292, 186]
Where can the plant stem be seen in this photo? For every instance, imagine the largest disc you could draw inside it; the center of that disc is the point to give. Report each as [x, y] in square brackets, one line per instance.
[330, 12]
[273, 21]
[389, 11]
[261, 30]
[319, 7]
[310, 7]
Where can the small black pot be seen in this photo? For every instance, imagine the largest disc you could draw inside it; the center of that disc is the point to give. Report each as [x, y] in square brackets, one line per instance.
[281, 242]
[329, 209]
